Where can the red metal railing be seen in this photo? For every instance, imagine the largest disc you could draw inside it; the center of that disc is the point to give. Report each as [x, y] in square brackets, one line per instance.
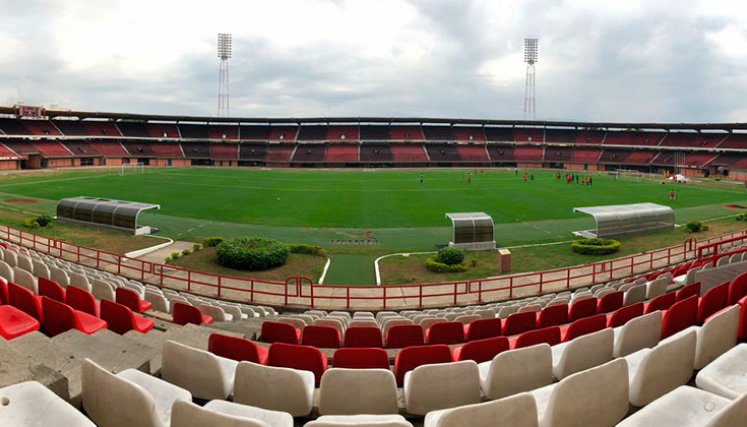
[300, 291]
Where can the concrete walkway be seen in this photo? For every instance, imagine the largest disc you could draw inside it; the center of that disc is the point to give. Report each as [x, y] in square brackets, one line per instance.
[160, 255]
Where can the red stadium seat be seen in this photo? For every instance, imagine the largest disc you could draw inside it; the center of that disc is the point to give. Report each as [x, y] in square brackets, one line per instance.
[302, 357]
[712, 301]
[581, 309]
[688, 291]
[122, 320]
[623, 315]
[25, 300]
[363, 337]
[517, 323]
[273, 332]
[482, 328]
[738, 289]
[662, 302]
[401, 336]
[321, 337]
[549, 335]
[584, 326]
[81, 300]
[743, 319]
[552, 316]
[236, 348]
[3, 291]
[610, 302]
[14, 322]
[51, 289]
[412, 357]
[185, 313]
[131, 300]
[361, 358]
[59, 318]
[681, 315]
[445, 333]
[480, 350]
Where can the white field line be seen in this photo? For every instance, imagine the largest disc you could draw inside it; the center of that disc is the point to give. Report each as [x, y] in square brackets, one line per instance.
[324, 273]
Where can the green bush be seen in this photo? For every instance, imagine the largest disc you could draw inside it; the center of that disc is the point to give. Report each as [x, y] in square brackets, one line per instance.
[175, 255]
[302, 248]
[595, 246]
[43, 220]
[252, 253]
[196, 247]
[694, 227]
[433, 264]
[742, 217]
[30, 223]
[186, 252]
[451, 256]
[212, 241]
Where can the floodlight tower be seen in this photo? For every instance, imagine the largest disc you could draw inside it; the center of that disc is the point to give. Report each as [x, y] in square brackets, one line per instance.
[224, 53]
[531, 48]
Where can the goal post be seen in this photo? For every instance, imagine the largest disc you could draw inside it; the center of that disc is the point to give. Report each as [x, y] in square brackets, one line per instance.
[131, 168]
[630, 174]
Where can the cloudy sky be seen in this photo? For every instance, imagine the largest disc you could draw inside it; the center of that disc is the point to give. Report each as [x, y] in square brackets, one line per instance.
[631, 60]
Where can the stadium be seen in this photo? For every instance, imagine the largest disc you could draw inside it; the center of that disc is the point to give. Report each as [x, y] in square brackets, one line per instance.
[246, 270]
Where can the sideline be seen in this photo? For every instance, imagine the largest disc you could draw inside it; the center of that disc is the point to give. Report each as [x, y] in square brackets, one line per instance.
[145, 251]
[324, 272]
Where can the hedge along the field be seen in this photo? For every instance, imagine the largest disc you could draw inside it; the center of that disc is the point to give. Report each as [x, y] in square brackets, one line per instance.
[252, 253]
[432, 264]
[595, 246]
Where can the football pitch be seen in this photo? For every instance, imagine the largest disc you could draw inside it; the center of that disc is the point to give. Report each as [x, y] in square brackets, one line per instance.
[392, 208]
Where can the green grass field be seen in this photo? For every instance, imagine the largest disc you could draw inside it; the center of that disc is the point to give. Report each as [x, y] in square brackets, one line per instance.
[403, 214]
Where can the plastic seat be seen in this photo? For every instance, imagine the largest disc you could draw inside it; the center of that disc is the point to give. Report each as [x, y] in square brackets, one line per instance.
[636, 294]
[439, 386]
[517, 323]
[445, 333]
[594, 397]
[483, 328]
[358, 391]
[361, 358]
[82, 300]
[202, 373]
[639, 333]
[519, 410]
[411, 357]
[690, 407]
[321, 337]
[725, 375]
[31, 404]
[662, 302]
[480, 350]
[405, 336]
[363, 337]
[583, 326]
[121, 319]
[738, 288]
[215, 312]
[236, 348]
[131, 300]
[712, 301]
[610, 302]
[553, 315]
[681, 315]
[580, 309]
[25, 300]
[185, 313]
[359, 421]
[15, 323]
[219, 413]
[582, 353]
[25, 279]
[301, 357]
[655, 372]
[158, 301]
[129, 398]
[624, 314]
[51, 289]
[59, 318]
[549, 335]
[688, 291]
[277, 389]
[273, 332]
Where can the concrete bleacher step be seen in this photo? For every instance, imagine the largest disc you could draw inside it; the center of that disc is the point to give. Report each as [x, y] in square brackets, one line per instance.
[15, 367]
[248, 328]
[107, 349]
[195, 335]
[153, 340]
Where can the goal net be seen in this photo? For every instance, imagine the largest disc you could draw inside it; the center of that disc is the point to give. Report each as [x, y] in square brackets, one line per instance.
[131, 168]
[627, 174]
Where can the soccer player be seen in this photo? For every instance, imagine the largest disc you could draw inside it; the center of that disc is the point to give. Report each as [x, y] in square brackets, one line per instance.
[421, 177]
[672, 194]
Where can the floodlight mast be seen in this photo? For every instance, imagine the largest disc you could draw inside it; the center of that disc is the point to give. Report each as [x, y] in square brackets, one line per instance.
[531, 51]
[224, 54]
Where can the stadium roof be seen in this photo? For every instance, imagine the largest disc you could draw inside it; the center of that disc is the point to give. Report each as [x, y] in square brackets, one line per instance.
[52, 113]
